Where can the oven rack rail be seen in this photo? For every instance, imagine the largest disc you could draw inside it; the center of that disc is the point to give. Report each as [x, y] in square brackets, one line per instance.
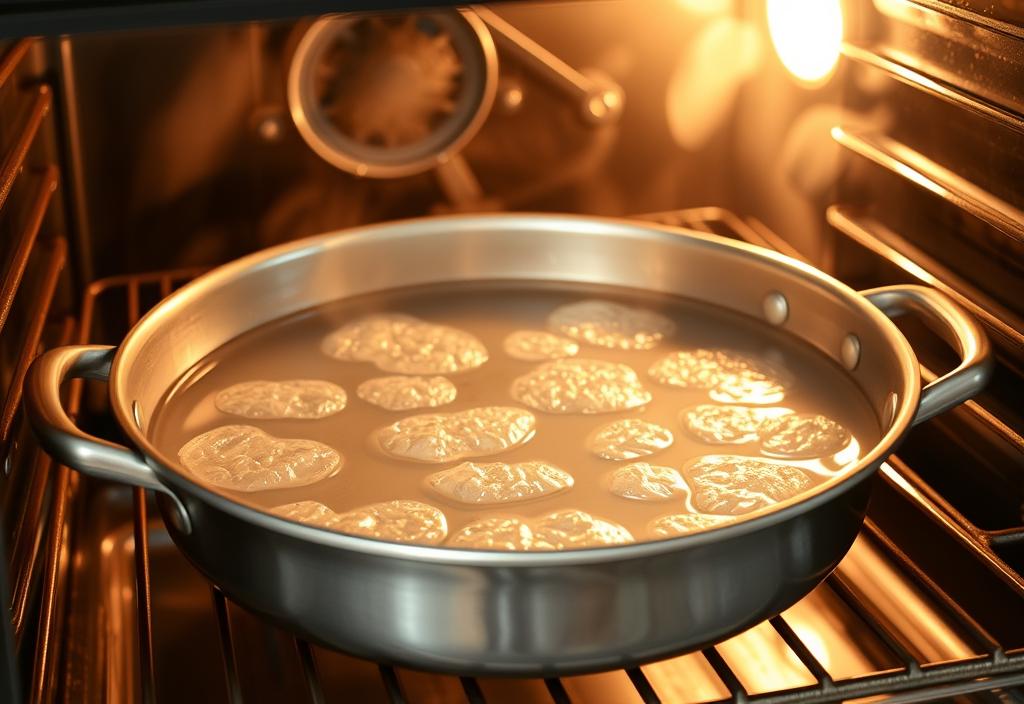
[912, 680]
[895, 250]
[31, 558]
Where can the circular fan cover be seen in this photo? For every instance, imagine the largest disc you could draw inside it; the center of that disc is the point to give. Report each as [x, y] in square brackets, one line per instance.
[392, 95]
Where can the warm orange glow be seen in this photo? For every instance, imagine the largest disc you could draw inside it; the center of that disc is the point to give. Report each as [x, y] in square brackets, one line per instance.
[706, 7]
[807, 35]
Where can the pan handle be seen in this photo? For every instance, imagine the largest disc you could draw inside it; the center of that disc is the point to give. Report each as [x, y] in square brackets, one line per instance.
[63, 440]
[954, 325]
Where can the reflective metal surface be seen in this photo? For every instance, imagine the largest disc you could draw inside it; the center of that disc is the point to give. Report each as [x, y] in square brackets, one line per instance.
[962, 333]
[479, 612]
[473, 48]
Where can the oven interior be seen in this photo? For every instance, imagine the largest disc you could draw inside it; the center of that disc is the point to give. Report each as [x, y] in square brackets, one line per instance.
[879, 140]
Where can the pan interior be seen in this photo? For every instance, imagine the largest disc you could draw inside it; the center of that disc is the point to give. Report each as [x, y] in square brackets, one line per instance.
[290, 348]
[282, 281]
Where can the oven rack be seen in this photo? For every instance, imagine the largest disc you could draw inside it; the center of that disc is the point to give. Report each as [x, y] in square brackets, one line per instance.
[896, 251]
[25, 311]
[911, 680]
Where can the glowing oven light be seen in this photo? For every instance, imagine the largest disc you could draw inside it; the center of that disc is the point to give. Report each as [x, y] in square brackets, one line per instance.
[807, 35]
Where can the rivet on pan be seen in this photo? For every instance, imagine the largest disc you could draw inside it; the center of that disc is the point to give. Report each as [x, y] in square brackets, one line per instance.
[9, 459]
[137, 414]
[849, 352]
[889, 411]
[776, 308]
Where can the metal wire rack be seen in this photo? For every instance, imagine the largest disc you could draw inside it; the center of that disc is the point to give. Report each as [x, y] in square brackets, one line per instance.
[44, 530]
[910, 677]
[25, 306]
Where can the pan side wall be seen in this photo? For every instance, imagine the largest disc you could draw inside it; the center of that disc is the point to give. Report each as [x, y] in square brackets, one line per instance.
[523, 620]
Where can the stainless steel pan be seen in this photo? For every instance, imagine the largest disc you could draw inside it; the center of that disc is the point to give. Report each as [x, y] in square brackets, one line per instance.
[474, 612]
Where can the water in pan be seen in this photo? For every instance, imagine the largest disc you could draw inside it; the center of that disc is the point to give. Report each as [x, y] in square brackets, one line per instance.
[292, 348]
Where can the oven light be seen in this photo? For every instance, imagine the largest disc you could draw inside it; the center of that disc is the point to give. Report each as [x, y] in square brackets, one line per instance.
[807, 35]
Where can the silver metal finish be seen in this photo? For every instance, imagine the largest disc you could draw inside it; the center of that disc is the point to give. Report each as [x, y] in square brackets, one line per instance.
[600, 98]
[849, 352]
[69, 445]
[873, 235]
[494, 612]
[776, 308]
[935, 178]
[479, 76]
[958, 328]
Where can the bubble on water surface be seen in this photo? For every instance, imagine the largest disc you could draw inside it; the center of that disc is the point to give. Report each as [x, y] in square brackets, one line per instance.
[294, 398]
[729, 377]
[803, 435]
[446, 437]
[628, 439]
[734, 485]
[682, 523]
[244, 458]
[647, 482]
[611, 325]
[560, 530]
[494, 533]
[400, 521]
[406, 345]
[407, 393]
[499, 482]
[580, 386]
[538, 346]
[723, 425]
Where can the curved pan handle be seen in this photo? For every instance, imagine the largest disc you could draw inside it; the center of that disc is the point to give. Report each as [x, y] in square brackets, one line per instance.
[954, 325]
[63, 440]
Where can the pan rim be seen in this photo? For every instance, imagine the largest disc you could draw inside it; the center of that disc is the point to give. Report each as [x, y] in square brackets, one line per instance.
[172, 475]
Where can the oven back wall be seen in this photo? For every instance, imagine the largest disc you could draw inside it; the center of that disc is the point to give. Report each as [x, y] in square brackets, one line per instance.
[187, 153]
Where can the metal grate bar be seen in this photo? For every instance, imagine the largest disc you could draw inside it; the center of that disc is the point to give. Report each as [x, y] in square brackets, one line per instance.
[979, 536]
[30, 529]
[918, 169]
[890, 639]
[877, 238]
[718, 221]
[774, 241]
[557, 691]
[959, 678]
[391, 685]
[976, 630]
[984, 416]
[19, 259]
[951, 691]
[25, 545]
[940, 89]
[310, 671]
[14, 162]
[964, 14]
[47, 641]
[703, 219]
[227, 648]
[725, 673]
[143, 599]
[46, 650]
[904, 481]
[643, 687]
[33, 335]
[474, 694]
[55, 548]
[801, 650]
[1005, 536]
[13, 57]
